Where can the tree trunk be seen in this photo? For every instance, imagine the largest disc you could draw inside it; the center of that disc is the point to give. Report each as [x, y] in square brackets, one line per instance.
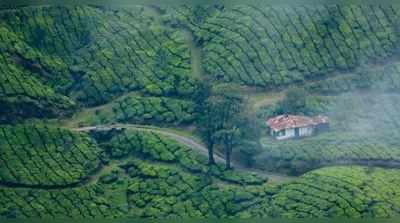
[210, 148]
[228, 151]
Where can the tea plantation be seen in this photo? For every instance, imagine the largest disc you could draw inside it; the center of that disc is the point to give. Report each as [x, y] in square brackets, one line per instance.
[149, 175]
[44, 156]
[273, 46]
[102, 111]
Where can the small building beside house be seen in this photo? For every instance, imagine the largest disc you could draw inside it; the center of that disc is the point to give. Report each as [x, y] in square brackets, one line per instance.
[295, 126]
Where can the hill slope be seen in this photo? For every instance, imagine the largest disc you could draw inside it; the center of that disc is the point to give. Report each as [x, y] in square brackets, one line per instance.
[67, 68]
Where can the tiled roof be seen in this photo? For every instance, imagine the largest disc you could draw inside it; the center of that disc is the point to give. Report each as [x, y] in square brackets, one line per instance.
[294, 121]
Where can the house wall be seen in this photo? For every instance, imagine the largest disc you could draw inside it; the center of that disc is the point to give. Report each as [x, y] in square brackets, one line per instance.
[289, 133]
[306, 131]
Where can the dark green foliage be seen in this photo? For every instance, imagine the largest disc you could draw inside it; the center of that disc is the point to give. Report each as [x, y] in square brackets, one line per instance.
[155, 147]
[155, 110]
[144, 188]
[275, 46]
[22, 95]
[94, 55]
[138, 60]
[83, 202]
[341, 192]
[135, 109]
[133, 52]
[39, 155]
[165, 192]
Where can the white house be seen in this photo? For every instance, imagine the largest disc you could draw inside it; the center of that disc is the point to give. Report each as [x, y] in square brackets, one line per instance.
[294, 126]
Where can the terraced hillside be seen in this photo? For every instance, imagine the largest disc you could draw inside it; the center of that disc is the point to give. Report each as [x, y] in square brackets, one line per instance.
[142, 174]
[68, 69]
[43, 156]
[138, 109]
[149, 175]
[89, 55]
[275, 46]
[341, 191]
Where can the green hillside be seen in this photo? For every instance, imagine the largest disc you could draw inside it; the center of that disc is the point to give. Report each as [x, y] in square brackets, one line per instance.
[39, 155]
[274, 46]
[111, 111]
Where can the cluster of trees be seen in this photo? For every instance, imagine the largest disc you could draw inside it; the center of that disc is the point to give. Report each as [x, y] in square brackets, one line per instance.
[39, 155]
[223, 120]
[281, 45]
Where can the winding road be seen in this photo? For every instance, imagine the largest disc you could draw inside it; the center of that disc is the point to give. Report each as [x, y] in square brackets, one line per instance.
[185, 140]
[101, 169]
[190, 143]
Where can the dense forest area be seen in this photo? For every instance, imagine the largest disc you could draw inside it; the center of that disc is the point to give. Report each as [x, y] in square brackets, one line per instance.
[160, 111]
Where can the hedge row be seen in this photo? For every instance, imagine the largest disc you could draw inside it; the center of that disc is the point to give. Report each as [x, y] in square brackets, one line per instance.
[94, 55]
[40, 155]
[156, 147]
[272, 46]
[141, 56]
[151, 190]
[22, 95]
[341, 192]
[18, 42]
[165, 192]
[137, 109]
[145, 186]
[155, 110]
[142, 186]
[85, 202]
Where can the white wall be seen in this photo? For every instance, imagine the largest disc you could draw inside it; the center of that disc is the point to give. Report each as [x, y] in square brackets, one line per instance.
[306, 131]
[289, 133]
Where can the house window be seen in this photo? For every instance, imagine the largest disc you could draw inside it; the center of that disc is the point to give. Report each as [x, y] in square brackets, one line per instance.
[282, 132]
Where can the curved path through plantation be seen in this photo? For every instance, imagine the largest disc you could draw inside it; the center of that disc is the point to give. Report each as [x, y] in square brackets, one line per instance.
[189, 142]
[185, 140]
[102, 169]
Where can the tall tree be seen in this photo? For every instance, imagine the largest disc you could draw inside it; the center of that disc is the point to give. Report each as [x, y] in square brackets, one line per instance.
[228, 105]
[206, 122]
[223, 118]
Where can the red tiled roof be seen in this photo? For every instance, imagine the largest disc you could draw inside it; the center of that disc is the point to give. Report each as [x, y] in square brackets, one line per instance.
[294, 121]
